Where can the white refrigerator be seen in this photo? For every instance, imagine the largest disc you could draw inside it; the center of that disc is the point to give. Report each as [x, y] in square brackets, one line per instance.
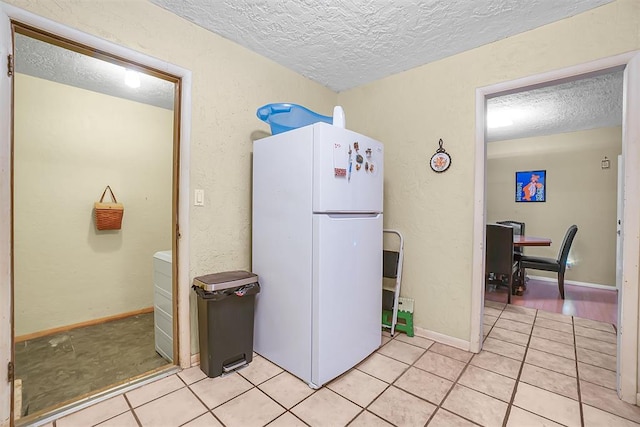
[317, 248]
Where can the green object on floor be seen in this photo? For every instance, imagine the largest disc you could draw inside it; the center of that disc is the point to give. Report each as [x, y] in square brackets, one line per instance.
[405, 316]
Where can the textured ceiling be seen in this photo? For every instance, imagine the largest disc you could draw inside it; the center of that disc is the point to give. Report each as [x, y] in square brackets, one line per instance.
[346, 43]
[46, 61]
[583, 104]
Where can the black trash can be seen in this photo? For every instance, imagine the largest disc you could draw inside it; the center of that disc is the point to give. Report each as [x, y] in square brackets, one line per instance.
[226, 304]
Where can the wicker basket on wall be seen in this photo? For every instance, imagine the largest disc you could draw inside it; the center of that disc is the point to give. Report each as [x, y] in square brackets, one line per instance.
[109, 215]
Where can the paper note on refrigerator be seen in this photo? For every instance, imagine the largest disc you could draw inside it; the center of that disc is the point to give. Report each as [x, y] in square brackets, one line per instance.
[340, 159]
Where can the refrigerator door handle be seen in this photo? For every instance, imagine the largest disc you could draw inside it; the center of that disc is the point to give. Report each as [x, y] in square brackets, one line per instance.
[350, 215]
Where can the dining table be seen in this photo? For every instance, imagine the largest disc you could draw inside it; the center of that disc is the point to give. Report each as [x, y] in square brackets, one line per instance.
[521, 241]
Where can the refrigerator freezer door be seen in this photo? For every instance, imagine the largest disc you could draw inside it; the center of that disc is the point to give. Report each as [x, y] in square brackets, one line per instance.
[347, 292]
[344, 182]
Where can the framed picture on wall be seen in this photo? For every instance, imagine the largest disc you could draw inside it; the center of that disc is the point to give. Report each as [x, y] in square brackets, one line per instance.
[531, 186]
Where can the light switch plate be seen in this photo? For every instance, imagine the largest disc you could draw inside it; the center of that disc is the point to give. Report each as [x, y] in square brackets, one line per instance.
[198, 198]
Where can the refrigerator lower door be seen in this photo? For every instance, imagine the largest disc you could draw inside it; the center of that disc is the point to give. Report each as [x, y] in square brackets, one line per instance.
[347, 292]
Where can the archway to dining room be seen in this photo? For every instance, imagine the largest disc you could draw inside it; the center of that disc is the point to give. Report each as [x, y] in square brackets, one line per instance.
[547, 329]
[552, 162]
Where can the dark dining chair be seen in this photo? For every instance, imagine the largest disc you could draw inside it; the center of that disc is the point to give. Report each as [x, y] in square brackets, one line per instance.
[518, 230]
[518, 251]
[500, 265]
[556, 265]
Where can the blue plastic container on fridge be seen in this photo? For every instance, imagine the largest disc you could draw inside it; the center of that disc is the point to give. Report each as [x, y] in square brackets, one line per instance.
[284, 116]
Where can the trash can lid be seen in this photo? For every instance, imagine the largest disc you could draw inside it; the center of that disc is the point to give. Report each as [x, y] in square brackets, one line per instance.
[225, 280]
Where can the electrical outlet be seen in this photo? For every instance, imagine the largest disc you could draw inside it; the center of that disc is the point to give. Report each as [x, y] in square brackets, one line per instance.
[198, 198]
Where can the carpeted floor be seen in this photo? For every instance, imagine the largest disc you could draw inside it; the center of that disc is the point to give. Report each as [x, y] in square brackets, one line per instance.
[61, 367]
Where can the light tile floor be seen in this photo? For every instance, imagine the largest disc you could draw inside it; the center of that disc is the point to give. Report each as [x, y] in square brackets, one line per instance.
[536, 369]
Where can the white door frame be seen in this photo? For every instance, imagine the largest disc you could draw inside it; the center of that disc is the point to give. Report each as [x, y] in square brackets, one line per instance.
[6, 315]
[184, 336]
[619, 212]
[628, 349]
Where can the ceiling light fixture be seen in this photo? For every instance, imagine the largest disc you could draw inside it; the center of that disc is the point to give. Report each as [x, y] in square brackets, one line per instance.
[499, 120]
[132, 79]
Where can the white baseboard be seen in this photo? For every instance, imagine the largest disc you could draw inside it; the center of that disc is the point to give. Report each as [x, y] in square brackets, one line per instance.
[552, 280]
[442, 339]
[195, 359]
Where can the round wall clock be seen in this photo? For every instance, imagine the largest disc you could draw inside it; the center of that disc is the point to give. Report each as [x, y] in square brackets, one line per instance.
[441, 160]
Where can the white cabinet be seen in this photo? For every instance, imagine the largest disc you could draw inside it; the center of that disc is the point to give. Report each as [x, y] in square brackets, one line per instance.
[162, 304]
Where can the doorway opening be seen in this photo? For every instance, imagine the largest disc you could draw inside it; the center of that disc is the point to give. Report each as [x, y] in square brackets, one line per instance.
[627, 349]
[90, 311]
[566, 136]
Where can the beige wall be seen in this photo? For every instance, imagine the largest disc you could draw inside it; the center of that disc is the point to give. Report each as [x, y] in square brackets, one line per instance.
[229, 84]
[69, 144]
[410, 111]
[579, 192]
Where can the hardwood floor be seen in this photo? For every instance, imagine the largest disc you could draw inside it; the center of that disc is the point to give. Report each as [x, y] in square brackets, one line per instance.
[588, 303]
